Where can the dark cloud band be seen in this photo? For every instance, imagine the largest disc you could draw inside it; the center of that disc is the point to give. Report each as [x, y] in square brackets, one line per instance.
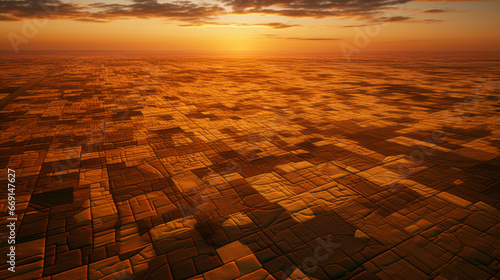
[196, 14]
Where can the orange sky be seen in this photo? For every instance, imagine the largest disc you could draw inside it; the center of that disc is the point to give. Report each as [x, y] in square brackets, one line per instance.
[307, 25]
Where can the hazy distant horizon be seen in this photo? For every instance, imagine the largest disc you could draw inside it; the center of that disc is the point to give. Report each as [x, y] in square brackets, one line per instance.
[255, 51]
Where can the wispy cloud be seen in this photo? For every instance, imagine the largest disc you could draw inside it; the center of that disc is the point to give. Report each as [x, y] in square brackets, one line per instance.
[275, 25]
[393, 19]
[274, 36]
[440, 11]
[310, 8]
[434, 11]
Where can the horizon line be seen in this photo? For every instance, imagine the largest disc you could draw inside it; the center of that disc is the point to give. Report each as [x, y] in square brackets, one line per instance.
[287, 51]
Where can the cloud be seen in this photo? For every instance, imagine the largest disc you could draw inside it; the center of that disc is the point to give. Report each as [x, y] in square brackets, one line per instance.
[395, 19]
[279, 25]
[310, 8]
[186, 10]
[439, 11]
[298, 38]
[178, 10]
[101, 12]
[450, 0]
[25, 9]
[434, 11]
[275, 25]
[309, 39]
[7, 18]
[392, 19]
[201, 13]
[91, 20]
[428, 21]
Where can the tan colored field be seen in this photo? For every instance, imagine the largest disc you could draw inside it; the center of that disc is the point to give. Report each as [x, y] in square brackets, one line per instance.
[184, 166]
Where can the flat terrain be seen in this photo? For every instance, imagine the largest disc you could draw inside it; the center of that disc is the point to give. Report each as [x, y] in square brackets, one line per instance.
[170, 166]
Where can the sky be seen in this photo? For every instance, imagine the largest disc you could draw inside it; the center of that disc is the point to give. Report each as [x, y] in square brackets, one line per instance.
[250, 25]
